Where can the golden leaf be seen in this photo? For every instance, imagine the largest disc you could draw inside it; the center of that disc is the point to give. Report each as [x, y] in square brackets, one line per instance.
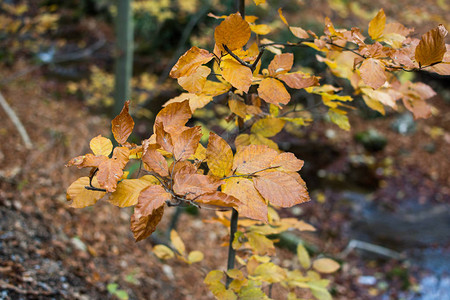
[261, 29]
[174, 116]
[372, 73]
[299, 32]
[101, 146]
[325, 265]
[195, 256]
[163, 138]
[194, 82]
[260, 244]
[273, 91]
[339, 117]
[219, 156]
[253, 158]
[243, 140]
[163, 252]
[190, 61]
[234, 32]
[236, 74]
[177, 242]
[377, 25]
[281, 64]
[195, 101]
[280, 188]
[150, 199]
[128, 190]
[80, 196]
[143, 226]
[270, 272]
[303, 256]
[252, 204]
[431, 48]
[185, 143]
[122, 125]
[287, 162]
[267, 127]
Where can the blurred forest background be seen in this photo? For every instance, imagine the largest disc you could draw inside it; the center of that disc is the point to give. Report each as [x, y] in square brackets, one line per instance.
[380, 192]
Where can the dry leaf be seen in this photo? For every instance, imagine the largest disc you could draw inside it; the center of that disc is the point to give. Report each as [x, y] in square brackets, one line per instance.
[253, 158]
[155, 161]
[110, 171]
[236, 74]
[431, 48]
[143, 227]
[372, 73]
[190, 61]
[234, 32]
[122, 125]
[273, 91]
[325, 265]
[194, 83]
[185, 143]
[281, 64]
[219, 156]
[101, 146]
[377, 25]
[80, 196]
[150, 199]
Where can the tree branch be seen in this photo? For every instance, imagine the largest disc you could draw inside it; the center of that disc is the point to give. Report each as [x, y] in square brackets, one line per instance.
[231, 250]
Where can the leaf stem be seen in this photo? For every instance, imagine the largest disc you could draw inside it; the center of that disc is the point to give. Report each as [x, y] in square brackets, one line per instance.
[231, 250]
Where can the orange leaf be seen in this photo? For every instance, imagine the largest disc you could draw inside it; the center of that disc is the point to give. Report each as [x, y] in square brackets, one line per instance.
[155, 161]
[281, 63]
[377, 24]
[299, 32]
[193, 83]
[236, 74]
[185, 144]
[218, 199]
[190, 61]
[150, 199]
[234, 32]
[219, 156]
[252, 204]
[280, 188]
[418, 106]
[273, 91]
[372, 73]
[431, 48]
[143, 227]
[174, 116]
[163, 138]
[193, 185]
[110, 171]
[80, 196]
[287, 162]
[253, 158]
[122, 125]
[87, 161]
[195, 101]
[298, 80]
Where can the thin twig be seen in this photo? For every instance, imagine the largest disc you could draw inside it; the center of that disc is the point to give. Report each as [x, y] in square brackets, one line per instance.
[250, 174]
[16, 121]
[231, 250]
[236, 57]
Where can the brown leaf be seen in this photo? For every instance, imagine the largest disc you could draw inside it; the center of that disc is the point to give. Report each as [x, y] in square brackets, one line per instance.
[236, 74]
[143, 227]
[431, 48]
[87, 161]
[193, 185]
[252, 204]
[299, 32]
[376, 26]
[219, 156]
[218, 199]
[122, 125]
[174, 116]
[155, 161]
[273, 91]
[185, 144]
[253, 158]
[128, 190]
[194, 83]
[287, 162]
[190, 61]
[163, 138]
[298, 80]
[372, 73]
[234, 32]
[150, 199]
[281, 64]
[280, 189]
[110, 171]
[80, 196]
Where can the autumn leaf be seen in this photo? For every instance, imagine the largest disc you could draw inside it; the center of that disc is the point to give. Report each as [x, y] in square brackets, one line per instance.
[234, 32]
[195, 256]
[163, 138]
[219, 156]
[325, 265]
[260, 244]
[252, 204]
[128, 191]
[80, 196]
[303, 256]
[194, 83]
[431, 48]
[190, 61]
[372, 73]
[281, 64]
[297, 31]
[177, 242]
[280, 188]
[151, 199]
[218, 199]
[193, 185]
[101, 146]
[110, 171]
[154, 160]
[287, 162]
[377, 24]
[339, 117]
[244, 139]
[122, 125]
[270, 272]
[186, 143]
[174, 116]
[273, 91]
[163, 252]
[236, 74]
[253, 158]
[298, 80]
[267, 127]
[143, 226]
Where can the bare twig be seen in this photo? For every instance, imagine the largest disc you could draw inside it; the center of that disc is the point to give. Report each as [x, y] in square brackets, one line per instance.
[16, 121]
[231, 250]
[236, 57]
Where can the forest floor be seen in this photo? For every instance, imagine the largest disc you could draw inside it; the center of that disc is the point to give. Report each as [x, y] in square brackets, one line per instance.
[51, 251]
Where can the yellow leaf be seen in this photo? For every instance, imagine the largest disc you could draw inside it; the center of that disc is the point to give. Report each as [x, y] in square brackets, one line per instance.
[260, 244]
[303, 256]
[236, 74]
[101, 146]
[219, 156]
[273, 91]
[234, 32]
[80, 196]
[194, 82]
[338, 117]
[258, 2]
[431, 48]
[267, 127]
[270, 272]
[128, 190]
[163, 252]
[261, 29]
[190, 61]
[325, 265]
[177, 242]
[195, 256]
[376, 26]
